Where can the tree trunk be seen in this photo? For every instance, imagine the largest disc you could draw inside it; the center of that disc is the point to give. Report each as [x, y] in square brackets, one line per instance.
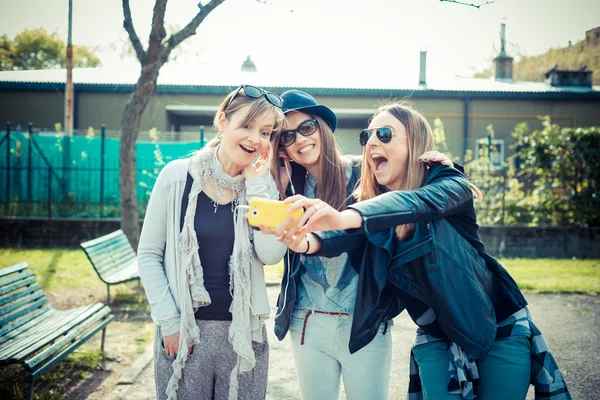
[151, 60]
[130, 124]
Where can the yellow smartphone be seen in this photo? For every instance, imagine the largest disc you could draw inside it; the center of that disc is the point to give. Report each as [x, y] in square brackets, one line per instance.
[271, 213]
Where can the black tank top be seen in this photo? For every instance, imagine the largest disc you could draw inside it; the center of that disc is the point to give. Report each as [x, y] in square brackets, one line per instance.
[215, 233]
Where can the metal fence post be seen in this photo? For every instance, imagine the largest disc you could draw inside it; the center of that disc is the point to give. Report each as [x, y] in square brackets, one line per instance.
[49, 194]
[30, 167]
[201, 136]
[102, 143]
[7, 202]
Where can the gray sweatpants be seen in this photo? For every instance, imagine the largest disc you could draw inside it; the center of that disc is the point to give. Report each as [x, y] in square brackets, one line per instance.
[207, 369]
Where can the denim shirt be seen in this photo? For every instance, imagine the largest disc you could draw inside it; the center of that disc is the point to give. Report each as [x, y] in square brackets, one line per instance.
[326, 284]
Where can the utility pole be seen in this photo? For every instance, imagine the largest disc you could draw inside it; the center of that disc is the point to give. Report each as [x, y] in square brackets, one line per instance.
[68, 127]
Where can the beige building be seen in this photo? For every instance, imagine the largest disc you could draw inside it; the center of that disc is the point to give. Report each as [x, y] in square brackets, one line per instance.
[183, 103]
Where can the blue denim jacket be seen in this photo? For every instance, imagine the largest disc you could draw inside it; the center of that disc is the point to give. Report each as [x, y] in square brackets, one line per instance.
[326, 284]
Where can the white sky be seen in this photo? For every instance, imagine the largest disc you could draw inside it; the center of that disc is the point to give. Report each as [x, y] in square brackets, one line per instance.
[302, 36]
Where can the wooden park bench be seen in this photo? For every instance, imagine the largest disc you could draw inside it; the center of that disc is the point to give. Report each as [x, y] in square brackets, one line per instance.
[113, 259]
[35, 334]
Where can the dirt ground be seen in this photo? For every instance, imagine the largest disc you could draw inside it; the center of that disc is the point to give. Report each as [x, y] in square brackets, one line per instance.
[558, 316]
[570, 323]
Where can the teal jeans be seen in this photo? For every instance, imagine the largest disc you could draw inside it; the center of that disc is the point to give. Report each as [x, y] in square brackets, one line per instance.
[504, 372]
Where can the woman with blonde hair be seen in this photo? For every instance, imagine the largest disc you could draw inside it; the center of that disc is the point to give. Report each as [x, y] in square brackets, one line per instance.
[201, 265]
[415, 236]
[318, 294]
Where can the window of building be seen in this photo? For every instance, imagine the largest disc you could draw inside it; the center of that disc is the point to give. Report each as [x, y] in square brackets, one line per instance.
[496, 151]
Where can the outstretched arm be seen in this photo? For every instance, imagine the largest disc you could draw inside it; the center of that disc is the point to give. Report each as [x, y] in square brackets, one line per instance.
[444, 196]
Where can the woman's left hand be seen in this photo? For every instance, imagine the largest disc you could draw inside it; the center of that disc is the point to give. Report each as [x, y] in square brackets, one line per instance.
[260, 167]
[435, 157]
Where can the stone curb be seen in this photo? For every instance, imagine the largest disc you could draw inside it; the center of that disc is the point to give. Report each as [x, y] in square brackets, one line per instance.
[131, 373]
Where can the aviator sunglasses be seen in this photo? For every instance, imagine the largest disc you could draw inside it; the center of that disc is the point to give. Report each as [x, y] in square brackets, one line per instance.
[256, 92]
[306, 128]
[384, 135]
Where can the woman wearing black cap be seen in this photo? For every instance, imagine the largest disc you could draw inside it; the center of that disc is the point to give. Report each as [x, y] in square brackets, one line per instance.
[318, 294]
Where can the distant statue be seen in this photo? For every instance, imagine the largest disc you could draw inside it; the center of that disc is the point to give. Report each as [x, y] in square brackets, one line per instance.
[248, 65]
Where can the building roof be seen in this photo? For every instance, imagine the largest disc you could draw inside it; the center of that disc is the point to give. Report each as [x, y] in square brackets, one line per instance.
[217, 80]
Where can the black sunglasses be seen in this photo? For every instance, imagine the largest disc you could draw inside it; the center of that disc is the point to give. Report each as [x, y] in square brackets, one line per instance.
[384, 135]
[306, 128]
[255, 93]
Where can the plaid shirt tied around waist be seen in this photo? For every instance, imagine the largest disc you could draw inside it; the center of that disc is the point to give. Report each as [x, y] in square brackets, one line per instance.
[463, 375]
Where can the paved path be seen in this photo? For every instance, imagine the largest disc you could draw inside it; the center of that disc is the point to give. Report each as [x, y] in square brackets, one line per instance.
[570, 323]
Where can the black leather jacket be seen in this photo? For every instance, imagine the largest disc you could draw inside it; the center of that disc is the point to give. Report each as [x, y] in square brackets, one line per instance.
[444, 264]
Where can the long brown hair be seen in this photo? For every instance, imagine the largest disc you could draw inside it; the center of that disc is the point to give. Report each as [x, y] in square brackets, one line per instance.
[420, 140]
[259, 106]
[332, 186]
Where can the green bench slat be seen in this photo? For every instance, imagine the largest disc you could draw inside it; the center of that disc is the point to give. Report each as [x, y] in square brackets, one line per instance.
[115, 261]
[102, 254]
[109, 274]
[69, 337]
[39, 303]
[108, 236]
[39, 338]
[13, 269]
[28, 299]
[36, 317]
[112, 253]
[20, 276]
[36, 328]
[117, 242]
[124, 274]
[109, 255]
[58, 357]
[35, 334]
[18, 294]
[20, 283]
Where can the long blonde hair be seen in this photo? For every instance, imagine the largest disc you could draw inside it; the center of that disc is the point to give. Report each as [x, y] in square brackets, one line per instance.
[332, 186]
[420, 140]
[259, 106]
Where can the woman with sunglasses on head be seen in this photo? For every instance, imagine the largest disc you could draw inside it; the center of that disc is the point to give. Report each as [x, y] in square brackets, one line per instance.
[200, 264]
[414, 234]
[318, 294]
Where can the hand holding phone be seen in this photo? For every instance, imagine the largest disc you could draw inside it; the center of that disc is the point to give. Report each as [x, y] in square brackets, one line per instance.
[271, 213]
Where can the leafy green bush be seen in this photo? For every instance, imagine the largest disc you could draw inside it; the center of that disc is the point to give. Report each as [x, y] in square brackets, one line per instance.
[560, 167]
[553, 178]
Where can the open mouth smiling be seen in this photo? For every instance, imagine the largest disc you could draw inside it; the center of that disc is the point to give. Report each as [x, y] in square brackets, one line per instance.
[248, 150]
[306, 149]
[379, 161]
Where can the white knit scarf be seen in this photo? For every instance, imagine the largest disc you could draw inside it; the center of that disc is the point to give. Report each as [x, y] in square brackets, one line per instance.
[204, 166]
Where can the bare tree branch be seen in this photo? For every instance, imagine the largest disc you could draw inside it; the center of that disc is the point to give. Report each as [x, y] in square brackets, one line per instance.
[128, 25]
[190, 29]
[157, 31]
[468, 4]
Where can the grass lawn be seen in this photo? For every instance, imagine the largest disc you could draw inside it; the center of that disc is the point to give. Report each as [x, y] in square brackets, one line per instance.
[59, 269]
[555, 276]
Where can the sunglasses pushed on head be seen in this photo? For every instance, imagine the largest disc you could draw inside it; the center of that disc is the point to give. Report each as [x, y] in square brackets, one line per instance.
[255, 92]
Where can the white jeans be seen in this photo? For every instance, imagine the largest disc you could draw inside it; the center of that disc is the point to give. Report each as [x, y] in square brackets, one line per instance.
[324, 357]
